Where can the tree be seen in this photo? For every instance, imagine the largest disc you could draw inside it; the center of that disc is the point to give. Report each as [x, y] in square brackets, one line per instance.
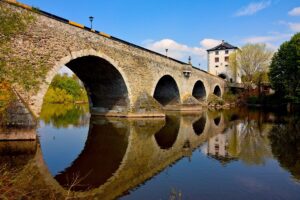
[252, 61]
[285, 70]
[65, 89]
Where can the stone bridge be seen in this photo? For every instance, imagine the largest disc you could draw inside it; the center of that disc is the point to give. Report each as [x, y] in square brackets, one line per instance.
[111, 164]
[121, 79]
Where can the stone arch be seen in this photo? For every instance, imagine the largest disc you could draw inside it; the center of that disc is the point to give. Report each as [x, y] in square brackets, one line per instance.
[166, 91]
[199, 91]
[223, 76]
[217, 91]
[105, 82]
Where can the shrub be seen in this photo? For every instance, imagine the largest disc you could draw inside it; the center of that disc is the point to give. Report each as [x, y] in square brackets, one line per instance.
[214, 100]
[229, 97]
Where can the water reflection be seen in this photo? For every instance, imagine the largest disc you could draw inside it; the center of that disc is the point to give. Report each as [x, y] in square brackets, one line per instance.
[65, 115]
[101, 157]
[199, 125]
[120, 157]
[246, 140]
[167, 136]
[285, 143]
[16, 154]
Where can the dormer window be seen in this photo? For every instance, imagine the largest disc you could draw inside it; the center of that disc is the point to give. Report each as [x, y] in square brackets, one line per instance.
[217, 52]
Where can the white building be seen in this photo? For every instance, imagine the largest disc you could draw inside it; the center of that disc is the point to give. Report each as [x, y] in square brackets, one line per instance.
[218, 62]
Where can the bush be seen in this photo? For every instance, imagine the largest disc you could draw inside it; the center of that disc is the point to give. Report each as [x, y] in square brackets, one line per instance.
[215, 100]
[65, 89]
[57, 95]
[229, 97]
[253, 100]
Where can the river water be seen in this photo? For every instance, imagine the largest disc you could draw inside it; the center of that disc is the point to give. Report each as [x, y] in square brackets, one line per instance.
[233, 154]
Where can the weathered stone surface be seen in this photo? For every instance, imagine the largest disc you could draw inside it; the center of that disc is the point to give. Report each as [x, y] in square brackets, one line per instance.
[111, 70]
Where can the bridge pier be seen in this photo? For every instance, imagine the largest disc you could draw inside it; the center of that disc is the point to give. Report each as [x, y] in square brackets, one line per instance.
[143, 106]
[16, 122]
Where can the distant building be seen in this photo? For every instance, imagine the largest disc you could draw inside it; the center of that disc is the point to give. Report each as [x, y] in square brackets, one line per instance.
[218, 62]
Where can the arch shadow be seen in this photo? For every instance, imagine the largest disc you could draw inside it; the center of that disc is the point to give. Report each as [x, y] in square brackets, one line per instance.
[199, 91]
[101, 157]
[199, 125]
[166, 91]
[217, 91]
[105, 85]
[166, 137]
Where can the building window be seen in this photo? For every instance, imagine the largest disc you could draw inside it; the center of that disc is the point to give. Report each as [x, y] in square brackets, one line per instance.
[217, 52]
[226, 51]
[226, 65]
[226, 58]
[216, 59]
[217, 65]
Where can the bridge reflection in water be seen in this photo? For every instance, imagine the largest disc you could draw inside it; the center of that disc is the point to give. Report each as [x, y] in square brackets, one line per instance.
[121, 154]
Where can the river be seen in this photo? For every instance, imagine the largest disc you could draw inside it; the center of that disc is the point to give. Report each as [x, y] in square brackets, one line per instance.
[231, 154]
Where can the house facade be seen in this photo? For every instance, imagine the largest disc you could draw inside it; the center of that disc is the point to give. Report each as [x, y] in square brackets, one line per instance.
[218, 62]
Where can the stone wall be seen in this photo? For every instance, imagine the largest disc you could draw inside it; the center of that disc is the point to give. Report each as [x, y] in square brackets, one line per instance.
[54, 44]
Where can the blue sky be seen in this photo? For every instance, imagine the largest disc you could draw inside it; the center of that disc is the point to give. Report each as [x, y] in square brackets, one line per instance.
[185, 27]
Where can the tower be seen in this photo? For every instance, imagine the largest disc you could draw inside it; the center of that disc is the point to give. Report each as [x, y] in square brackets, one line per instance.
[218, 62]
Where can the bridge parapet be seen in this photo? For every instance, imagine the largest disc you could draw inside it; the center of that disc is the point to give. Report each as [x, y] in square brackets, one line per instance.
[121, 78]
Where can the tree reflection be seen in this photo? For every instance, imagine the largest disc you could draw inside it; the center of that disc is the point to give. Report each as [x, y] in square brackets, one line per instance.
[285, 142]
[253, 144]
[63, 115]
[246, 140]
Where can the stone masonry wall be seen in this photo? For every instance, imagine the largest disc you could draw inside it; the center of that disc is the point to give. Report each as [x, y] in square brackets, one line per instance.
[54, 44]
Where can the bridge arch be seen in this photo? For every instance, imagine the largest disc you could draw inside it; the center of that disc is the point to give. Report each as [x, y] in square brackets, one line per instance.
[105, 82]
[166, 91]
[217, 91]
[199, 91]
[223, 76]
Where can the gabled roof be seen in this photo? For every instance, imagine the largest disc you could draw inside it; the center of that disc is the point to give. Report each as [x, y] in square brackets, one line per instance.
[222, 46]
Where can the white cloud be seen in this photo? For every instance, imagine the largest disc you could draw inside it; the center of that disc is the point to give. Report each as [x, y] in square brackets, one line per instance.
[295, 12]
[294, 26]
[209, 43]
[253, 8]
[266, 39]
[272, 41]
[182, 51]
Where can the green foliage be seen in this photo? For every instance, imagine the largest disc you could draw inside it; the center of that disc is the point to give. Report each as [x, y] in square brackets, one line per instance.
[70, 85]
[269, 100]
[285, 70]
[214, 100]
[252, 61]
[12, 23]
[57, 95]
[253, 100]
[14, 69]
[229, 97]
[64, 89]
